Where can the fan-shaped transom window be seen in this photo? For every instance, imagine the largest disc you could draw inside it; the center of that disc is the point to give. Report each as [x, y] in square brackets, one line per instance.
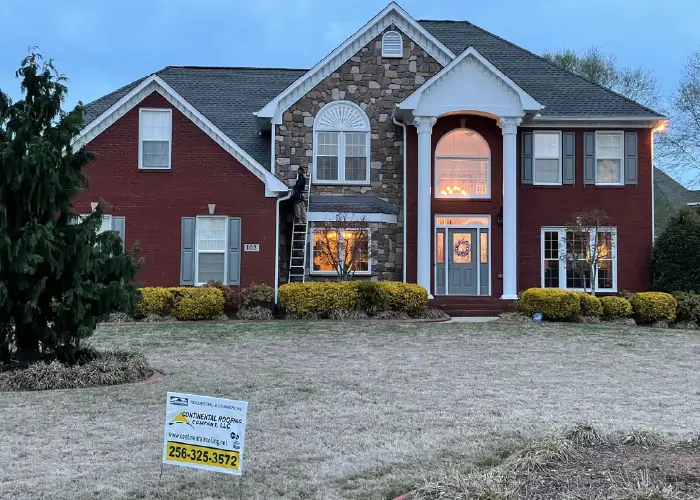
[462, 166]
[341, 139]
[392, 44]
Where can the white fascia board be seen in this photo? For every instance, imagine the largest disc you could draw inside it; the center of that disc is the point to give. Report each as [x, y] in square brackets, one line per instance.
[528, 102]
[391, 14]
[541, 117]
[361, 217]
[154, 83]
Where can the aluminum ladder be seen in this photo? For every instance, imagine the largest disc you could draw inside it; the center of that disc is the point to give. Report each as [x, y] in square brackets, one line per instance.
[299, 244]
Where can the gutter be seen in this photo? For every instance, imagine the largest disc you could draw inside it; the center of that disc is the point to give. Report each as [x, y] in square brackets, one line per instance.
[405, 221]
[539, 117]
[277, 243]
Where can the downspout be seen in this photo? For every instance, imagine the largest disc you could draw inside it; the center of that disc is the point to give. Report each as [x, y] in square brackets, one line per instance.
[405, 221]
[277, 214]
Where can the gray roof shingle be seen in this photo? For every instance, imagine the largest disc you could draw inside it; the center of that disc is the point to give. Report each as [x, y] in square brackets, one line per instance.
[669, 197]
[362, 204]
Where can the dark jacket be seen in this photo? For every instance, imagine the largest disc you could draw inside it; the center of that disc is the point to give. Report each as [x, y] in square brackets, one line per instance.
[299, 188]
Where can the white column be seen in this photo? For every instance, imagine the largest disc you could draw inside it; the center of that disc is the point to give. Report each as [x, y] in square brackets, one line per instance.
[509, 126]
[424, 124]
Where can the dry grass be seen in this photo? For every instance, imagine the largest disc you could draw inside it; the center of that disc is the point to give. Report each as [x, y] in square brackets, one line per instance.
[353, 410]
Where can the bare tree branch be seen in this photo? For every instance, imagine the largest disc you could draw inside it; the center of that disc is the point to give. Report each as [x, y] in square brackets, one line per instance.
[344, 244]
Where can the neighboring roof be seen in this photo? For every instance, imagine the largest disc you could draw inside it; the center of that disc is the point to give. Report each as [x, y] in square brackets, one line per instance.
[352, 204]
[226, 96]
[669, 197]
[561, 92]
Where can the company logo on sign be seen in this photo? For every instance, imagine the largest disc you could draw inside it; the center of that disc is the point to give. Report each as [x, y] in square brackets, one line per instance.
[180, 419]
[177, 401]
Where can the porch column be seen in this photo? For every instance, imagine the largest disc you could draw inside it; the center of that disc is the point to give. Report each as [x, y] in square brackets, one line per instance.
[424, 124]
[509, 126]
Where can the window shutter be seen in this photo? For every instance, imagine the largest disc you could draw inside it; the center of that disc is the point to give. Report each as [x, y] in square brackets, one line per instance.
[234, 251]
[569, 158]
[631, 176]
[119, 225]
[187, 251]
[526, 164]
[589, 157]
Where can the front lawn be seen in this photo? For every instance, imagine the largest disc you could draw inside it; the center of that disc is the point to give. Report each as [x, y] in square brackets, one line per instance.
[354, 410]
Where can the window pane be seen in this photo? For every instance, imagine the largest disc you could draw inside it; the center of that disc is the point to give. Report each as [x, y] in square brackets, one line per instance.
[484, 247]
[551, 274]
[609, 171]
[462, 248]
[578, 273]
[327, 168]
[355, 144]
[106, 224]
[546, 145]
[463, 143]
[551, 245]
[462, 221]
[211, 233]
[551, 259]
[325, 250]
[356, 169]
[605, 274]
[355, 250]
[156, 154]
[608, 145]
[547, 171]
[462, 178]
[210, 267]
[155, 125]
[327, 143]
[440, 250]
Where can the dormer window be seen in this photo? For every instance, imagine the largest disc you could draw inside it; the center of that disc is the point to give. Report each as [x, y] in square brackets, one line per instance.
[392, 44]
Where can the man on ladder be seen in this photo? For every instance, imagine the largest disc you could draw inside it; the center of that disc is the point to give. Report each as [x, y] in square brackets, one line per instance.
[298, 197]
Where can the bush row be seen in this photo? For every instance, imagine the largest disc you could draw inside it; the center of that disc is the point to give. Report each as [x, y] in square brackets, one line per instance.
[372, 297]
[646, 307]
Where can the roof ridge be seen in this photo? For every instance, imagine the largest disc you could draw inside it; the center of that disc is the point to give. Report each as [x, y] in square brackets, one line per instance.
[514, 45]
[230, 67]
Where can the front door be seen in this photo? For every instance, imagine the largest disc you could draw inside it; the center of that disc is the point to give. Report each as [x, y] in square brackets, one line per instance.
[462, 263]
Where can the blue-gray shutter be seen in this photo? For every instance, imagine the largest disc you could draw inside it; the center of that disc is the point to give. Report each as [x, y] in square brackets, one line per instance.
[234, 251]
[526, 163]
[187, 252]
[631, 158]
[569, 158]
[119, 225]
[589, 158]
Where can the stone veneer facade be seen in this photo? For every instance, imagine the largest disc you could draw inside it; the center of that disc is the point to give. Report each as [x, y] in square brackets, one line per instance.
[377, 84]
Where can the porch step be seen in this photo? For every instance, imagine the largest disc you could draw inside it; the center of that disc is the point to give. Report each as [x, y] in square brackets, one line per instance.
[468, 305]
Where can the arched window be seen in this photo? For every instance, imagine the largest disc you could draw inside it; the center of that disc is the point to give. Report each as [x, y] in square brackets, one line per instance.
[341, 144]
[462, 166]
[392, 44]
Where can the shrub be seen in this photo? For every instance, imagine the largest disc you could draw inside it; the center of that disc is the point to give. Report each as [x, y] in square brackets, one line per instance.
[649, 307]
[258, 295]
[405, 297]
[369, 296]
[232, 296]
[155, 300]
[673, 266]
[256, 313]
[321, 298]
[198, 303]
[616, 307]
[552, 303]
[590, 305]
[688, 306]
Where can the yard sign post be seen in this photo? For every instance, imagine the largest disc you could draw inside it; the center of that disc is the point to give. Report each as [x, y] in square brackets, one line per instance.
[204, 433]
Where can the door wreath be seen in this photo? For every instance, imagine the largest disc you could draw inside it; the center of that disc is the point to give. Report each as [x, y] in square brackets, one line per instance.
[462, 248]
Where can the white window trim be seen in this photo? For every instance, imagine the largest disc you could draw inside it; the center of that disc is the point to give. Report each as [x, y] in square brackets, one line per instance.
[197, 251]
[562, 262]
[621, 133]
[105, 217]
[391, 56]
[437, 195]
[368, 272]
[535, 158]
[341, 158]
[170, 139]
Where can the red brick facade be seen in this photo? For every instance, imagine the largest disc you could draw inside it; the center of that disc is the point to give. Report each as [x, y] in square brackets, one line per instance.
[153, 202]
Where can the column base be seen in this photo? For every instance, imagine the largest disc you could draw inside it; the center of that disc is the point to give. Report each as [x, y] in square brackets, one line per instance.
[509, 297]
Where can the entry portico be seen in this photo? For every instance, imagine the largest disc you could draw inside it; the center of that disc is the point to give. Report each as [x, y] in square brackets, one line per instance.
[469, 85]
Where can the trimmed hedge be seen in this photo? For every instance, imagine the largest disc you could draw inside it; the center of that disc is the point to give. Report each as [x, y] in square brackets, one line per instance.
[552, 303]
[258, 295]
[649, 307]
[590, 305]
[616, 307]
[322, 298]
[184, 303]
[688, 306]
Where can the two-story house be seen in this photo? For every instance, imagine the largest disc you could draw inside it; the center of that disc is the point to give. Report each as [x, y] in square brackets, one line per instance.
[459, 154]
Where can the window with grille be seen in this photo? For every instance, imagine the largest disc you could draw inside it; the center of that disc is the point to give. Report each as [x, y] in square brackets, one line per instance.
[462, 166]
[609, 151]
[392, 44]
[547, 158]
[211, 249]
[155, 136]
[331, 248]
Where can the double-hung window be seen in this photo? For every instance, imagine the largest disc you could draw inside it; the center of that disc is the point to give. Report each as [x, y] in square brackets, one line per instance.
[609, 156]
[567, 258]
[155, 139]
[211, 249]
[332, 247]
[342, 144]
[547, 161]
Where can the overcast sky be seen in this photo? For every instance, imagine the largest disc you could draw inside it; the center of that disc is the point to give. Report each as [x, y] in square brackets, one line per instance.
[103, 45]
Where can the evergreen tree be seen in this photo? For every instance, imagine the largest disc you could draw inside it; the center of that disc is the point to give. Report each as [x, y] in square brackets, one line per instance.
[674, 258]
[57, 276]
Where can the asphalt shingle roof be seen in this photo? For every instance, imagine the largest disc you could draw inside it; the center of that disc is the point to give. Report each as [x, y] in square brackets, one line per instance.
[362, 204]
[669, 197]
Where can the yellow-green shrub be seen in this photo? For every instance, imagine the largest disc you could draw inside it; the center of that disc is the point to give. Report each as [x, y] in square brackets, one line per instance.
[197, 303]
[653, 306]
[552, 303]
[155, 300]
[320, 297]
[616, 307]
[405, 297]
[590, 305]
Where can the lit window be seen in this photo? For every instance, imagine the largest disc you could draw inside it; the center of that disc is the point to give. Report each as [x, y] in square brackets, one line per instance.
[341, 133]
[330, 252]
[547, 158]
[462, 166]
[155, 134]
[392, 44]
[566, 256]
[609, 154]
[211, 249]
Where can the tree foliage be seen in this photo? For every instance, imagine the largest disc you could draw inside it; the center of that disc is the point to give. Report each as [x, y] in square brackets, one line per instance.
[57, 275]
[674, 257]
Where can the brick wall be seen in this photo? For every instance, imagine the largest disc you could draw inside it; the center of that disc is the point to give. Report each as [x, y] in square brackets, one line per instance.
[154, 202]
